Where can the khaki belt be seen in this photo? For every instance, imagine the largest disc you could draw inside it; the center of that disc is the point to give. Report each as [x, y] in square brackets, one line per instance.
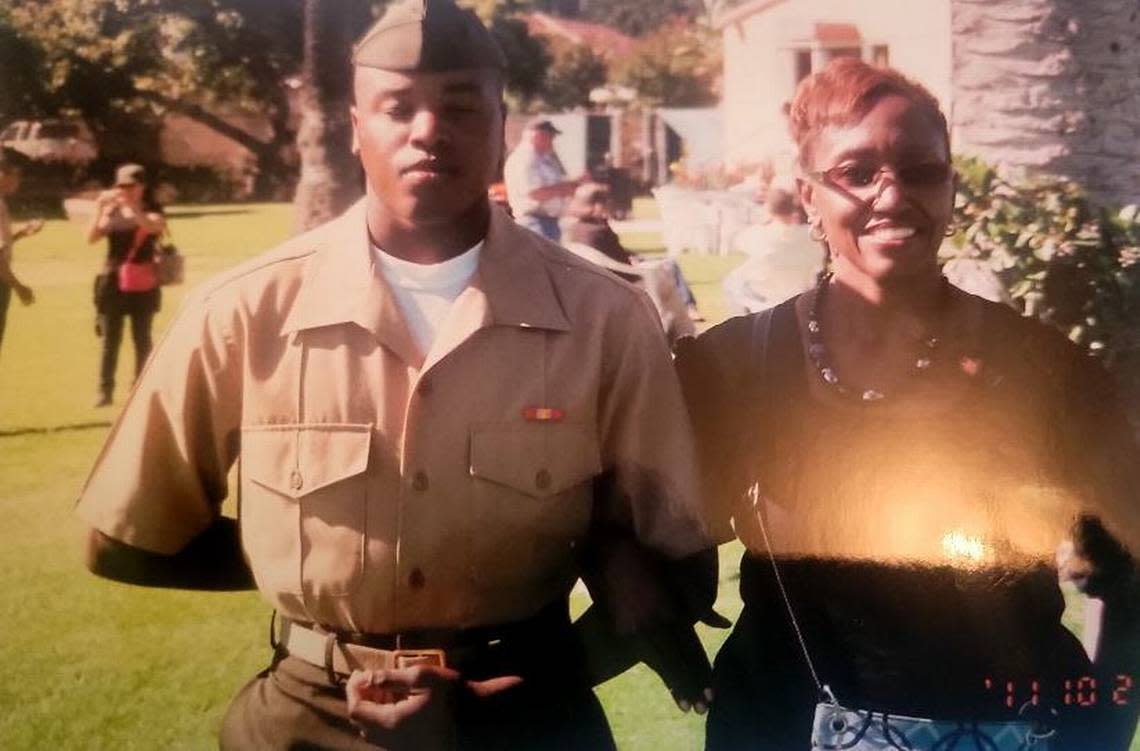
[324, 650]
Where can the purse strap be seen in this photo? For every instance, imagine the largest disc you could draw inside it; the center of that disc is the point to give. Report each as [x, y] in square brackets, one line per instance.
[761, 339]
[136, 245]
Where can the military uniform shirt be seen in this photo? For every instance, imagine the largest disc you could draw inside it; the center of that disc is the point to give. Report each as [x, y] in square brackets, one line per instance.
[382, 489]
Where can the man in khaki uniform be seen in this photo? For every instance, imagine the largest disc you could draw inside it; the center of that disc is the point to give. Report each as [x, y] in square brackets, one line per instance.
[437, 414]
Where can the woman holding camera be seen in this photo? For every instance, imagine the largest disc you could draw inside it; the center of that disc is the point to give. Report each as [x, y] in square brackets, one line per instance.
[131, 220]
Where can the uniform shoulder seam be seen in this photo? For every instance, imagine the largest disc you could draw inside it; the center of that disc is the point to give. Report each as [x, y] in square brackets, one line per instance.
[280, 255]
[559, 255]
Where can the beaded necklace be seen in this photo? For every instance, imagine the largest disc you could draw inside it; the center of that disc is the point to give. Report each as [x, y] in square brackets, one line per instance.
[821, 358]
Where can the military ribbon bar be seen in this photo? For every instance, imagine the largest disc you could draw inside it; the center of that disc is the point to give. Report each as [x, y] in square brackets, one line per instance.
[543, 414]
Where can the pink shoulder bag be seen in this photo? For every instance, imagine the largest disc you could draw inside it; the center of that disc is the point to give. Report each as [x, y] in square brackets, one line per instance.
[139, 276]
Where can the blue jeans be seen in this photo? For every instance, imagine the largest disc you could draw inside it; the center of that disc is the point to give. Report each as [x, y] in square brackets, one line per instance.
[547, 226]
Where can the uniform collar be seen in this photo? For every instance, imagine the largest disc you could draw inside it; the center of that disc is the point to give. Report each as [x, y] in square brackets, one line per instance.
[340, 284]
[515, 277]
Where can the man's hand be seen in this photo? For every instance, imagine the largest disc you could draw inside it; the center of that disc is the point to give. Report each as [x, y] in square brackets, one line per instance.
[24, 292]
[672, 651]
[28, 229]
[675, 653]
[413, 707]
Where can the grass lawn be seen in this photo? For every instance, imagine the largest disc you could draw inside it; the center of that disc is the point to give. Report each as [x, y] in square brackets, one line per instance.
[94, 665]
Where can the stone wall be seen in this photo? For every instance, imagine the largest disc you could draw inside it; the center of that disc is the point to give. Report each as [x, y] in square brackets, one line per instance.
[1051, 86]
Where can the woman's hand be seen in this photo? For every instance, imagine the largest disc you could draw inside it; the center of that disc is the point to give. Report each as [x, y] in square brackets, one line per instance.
[105, 204]
[24, 292]
[1095, 560]
[28, 229]
[108, 199]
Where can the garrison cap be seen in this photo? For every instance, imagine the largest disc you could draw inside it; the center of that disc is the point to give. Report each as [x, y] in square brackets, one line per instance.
[428, 36]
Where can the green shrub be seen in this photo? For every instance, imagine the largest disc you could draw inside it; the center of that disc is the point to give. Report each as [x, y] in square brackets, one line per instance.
[1064, 260]
[198, 184]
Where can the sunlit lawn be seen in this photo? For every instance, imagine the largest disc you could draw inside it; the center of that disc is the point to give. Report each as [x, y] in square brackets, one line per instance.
[94, 665]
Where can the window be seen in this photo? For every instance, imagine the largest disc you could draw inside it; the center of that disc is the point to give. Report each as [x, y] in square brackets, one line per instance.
[806, 56]
[803, 64]
[835, 52]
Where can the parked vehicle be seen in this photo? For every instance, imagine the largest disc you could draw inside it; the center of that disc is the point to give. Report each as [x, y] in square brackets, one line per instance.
[50, 140]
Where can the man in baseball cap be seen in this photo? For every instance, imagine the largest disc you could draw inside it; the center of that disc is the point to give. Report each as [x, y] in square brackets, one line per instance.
[435, 413]
[537, 186]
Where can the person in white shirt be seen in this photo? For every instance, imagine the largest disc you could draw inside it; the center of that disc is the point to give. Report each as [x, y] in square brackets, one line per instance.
[537, 187]
[783, 260]
[10, 175]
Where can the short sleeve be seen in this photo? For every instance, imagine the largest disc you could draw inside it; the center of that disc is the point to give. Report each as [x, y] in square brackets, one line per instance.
[647, 443]
[161, 476]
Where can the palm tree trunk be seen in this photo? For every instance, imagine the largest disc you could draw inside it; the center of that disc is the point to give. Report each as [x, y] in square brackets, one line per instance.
[1051, 86]
[330, 174]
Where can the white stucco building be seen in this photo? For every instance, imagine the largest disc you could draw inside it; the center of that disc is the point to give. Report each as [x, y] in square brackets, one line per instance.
[1043, 86]
[770, 45]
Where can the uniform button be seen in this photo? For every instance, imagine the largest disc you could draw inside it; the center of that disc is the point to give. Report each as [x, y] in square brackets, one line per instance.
[420, 482]
[542, 479]
[416, 579]
[424, 388]
[295, 480]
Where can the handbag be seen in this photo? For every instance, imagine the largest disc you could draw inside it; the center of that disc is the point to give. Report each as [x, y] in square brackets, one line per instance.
[171, 263]
[141, 276]
[836, 726]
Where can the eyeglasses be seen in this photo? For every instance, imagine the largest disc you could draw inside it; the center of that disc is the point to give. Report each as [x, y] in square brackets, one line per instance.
[857, 177]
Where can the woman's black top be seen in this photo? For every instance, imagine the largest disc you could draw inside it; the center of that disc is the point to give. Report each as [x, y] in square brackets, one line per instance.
[925, 639]
[121, 238]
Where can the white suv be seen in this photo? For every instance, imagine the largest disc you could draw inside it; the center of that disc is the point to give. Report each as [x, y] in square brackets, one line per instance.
[50, 140]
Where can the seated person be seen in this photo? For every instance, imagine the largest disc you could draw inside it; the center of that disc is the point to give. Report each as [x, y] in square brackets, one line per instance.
[589, 224]
[783, 260]
[589, 213]
[590, 236]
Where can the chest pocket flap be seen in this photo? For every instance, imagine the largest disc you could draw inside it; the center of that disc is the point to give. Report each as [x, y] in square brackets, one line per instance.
[539, 460]
[295, 460]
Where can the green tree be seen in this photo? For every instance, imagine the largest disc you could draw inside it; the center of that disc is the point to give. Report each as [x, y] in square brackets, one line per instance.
[639, 17]
[123, 64]
[527, 56]
[575, 72]
[677, 65]
[330, 174]
[22, 94]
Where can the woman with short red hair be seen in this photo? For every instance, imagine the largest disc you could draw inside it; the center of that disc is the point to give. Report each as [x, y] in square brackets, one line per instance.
[902, 460]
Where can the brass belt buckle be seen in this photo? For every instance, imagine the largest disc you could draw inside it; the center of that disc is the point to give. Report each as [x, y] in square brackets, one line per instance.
[409, 658]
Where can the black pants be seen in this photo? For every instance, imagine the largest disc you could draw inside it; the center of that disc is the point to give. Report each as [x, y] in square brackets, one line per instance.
[113, 337]
[765, 695]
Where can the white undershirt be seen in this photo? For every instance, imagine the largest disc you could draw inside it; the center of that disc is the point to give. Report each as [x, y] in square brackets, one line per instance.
[426, 291]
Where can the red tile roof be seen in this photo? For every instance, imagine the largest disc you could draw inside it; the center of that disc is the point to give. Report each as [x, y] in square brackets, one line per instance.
[837, 33]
